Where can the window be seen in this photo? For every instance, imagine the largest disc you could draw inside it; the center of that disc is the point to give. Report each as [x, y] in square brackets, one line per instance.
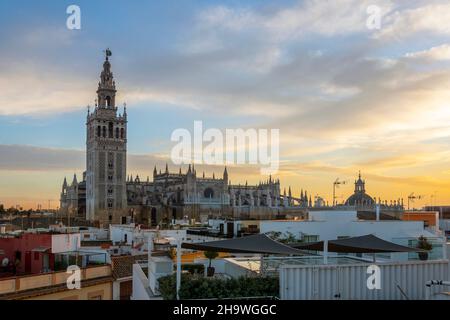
[117, 133]
[110, 161]
[110, 190]
[108, 101]
[104, 132]
[208, 193]
[99, 129]
[122, 133]
[110, 130]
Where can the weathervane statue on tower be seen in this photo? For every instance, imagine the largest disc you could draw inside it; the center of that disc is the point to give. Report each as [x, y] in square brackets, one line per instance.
[108, 53]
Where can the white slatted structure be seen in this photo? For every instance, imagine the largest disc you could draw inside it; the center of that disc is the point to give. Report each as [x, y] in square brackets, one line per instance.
[399, 281]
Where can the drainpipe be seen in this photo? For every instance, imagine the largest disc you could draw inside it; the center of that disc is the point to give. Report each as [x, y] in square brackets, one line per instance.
[325, 252]
[437, 228]
[444, 248]
[150, 245]
[178, 267]
[377, 210]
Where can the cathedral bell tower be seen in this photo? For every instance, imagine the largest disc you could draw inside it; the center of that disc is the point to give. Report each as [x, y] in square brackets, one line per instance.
[106, 154]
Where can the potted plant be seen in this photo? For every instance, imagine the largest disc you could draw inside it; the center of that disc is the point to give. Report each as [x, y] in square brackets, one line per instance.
[424, 245]
[210, 255]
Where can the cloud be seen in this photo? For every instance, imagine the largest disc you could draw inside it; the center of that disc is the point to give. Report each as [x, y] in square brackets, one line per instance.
[441, 52]
[337, 91]
[425, 17]
[29, 158]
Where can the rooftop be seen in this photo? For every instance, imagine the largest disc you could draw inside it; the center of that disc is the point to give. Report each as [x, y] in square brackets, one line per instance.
[122, 266]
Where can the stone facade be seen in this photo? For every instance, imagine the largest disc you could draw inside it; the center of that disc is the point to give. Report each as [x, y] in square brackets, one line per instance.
[185, 195]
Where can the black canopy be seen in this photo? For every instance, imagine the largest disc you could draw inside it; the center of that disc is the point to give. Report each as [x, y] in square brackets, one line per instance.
[259, 243]
[362, 244]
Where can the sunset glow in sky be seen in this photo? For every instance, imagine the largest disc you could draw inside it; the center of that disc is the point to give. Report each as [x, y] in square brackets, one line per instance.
[345, 97]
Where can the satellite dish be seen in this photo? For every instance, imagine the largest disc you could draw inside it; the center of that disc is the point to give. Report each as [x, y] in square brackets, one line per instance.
[5, 262]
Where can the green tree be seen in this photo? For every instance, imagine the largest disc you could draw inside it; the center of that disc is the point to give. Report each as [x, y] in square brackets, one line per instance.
[424, 244]
[211, 255]
[195, 287]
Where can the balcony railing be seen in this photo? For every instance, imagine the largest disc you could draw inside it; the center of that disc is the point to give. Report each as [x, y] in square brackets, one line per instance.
[38, 281]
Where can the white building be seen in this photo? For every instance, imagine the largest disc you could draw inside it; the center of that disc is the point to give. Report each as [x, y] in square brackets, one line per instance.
[329, 225]
[135, 236]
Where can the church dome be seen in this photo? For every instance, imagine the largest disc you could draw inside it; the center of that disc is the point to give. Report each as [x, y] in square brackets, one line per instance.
[360, 197]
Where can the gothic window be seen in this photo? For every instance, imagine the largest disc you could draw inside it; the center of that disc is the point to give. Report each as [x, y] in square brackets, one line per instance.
[208, 193]
[122, 133]
[110, 177]
[104, 132]
[110, 130]
[110, 203]
[117, 133]
[110, 190]
[110, 163]
[108, 101]
[99, 131]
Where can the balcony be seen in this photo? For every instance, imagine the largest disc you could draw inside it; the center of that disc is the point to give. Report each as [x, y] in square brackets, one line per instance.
[25, 285]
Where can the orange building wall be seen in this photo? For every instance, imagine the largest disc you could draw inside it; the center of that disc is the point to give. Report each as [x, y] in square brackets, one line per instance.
[428, 217]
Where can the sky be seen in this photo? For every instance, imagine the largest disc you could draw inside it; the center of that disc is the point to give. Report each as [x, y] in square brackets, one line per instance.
[345, 97]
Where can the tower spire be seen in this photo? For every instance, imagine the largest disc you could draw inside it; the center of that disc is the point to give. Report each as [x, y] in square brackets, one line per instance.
[106, 91]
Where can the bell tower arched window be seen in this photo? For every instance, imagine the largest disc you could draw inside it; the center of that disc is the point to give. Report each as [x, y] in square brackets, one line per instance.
[108, 101]
[110, 130]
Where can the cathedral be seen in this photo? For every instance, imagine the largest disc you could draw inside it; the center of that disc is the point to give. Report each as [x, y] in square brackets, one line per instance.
[107, 195]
